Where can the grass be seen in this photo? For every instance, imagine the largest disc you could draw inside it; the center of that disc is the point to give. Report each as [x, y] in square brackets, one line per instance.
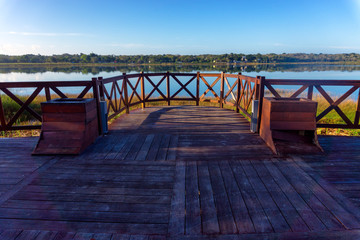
[349, 109]
[11, 107]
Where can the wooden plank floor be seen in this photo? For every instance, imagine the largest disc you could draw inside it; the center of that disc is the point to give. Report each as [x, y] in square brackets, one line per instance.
[339, 165]
[181, 172]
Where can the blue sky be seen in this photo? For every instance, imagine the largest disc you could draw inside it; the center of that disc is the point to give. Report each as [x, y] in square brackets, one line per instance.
[179, 27]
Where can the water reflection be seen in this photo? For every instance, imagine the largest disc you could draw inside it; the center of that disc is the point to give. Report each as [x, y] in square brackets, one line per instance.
[229, 68]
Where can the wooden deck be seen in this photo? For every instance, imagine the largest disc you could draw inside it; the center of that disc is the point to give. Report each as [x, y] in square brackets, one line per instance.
[180, 172]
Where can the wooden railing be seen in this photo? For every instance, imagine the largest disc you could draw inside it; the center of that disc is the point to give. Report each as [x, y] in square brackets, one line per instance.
[48, 90]
[128, 90]
[307, 87]
[235, 90]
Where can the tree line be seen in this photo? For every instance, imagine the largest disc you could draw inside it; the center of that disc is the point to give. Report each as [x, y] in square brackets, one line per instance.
[194, 59]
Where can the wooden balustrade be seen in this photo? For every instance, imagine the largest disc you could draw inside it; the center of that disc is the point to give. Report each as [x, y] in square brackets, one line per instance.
[51, 90]
[319, 85]
[127, 90]
[238, 93]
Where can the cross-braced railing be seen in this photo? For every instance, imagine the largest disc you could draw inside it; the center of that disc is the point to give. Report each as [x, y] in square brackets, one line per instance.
[127, 90]
[307, 87]
[21, 105]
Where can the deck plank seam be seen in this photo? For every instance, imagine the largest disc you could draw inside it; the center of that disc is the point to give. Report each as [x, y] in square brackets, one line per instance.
[131, 180]
[339, 198]
[335, 212]
[257, 197]
[284, 184]
[271, 195]
[198, 184]
[293, 187]
[302, 197]
[27, 180]
[285, 195]
[315, 210]
[237, 163]
[242, 197]
[177, 224]
[228, 198]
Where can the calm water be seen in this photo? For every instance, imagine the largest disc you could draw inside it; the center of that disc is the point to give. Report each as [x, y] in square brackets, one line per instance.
[331, 72]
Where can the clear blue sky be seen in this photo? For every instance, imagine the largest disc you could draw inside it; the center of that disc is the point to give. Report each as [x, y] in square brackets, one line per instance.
[179, 26]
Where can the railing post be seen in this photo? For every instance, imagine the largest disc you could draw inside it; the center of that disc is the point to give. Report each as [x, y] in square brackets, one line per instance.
[2, 116]
[101, 88]
[357, 113]
[257, 89]
[261, 96]
[97, 99]
[310, 92]
[168, 88]
[222, 90]
[197, 88]
[47, 94]
[238, 92]
[126, 93]
[142, 90]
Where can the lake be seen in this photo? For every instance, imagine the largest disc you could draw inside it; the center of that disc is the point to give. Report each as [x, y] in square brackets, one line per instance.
[296, 71]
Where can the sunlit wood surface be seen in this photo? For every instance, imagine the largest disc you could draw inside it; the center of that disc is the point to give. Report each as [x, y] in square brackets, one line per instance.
[180, 172]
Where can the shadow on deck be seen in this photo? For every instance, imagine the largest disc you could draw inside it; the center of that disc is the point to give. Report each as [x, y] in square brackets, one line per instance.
[181, 172]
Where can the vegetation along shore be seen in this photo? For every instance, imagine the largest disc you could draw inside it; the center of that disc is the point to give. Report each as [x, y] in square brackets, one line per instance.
[232, 58]
[10, 107]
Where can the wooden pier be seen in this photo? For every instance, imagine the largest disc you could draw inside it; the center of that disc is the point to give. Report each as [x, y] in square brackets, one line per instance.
[180, 172]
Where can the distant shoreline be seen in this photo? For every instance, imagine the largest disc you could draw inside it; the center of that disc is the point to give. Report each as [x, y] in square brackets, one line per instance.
[30, 65]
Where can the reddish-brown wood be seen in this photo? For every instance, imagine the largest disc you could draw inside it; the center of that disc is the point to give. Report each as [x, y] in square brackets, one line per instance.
[125, 92]
[299, 91]
[357, 114]
[47, 93]
[210, 75]
[310, 92]
[156, 87]
[168, 172]
[83, 93]
[142, 90]
[238, 84]
[230, 90]
[282, 117]
[134, 92]
[69, 126]
[197, 88]
[227, 75]
[168, 88]
[95, 87]
[24, 105]
[334, 105]
[2, 115]
[222, 90]
[272, 90]
[313, 82]
[182, 86]
[119, 99]
[210, 87]
[250, 95]
[261, 87]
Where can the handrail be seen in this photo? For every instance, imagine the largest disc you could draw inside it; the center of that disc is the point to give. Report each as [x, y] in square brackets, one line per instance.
[313, 82]
[51, 89]
[114, 93]
[127, 90]
[43, 84]
[310, 85]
